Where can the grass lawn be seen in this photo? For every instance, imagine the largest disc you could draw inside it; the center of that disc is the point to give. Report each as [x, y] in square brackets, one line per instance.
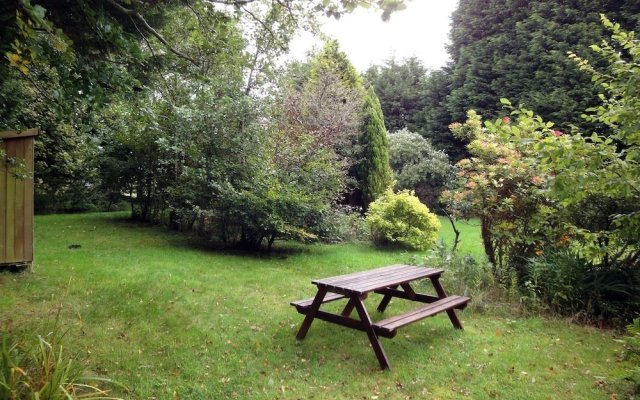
[470, 239]
[173, 320]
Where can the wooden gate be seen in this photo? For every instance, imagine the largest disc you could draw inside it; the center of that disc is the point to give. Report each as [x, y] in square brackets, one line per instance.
[16, 198]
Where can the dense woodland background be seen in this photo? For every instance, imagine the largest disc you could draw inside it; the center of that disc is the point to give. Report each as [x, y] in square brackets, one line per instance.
[103, 69]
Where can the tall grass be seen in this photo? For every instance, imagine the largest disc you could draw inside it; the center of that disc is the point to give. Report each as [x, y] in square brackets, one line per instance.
[43, 370]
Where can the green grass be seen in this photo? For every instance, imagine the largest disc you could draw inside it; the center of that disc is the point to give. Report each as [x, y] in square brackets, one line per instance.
[470, 239]
[171, 319]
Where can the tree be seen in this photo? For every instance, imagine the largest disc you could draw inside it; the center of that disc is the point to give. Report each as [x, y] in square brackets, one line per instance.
[418, 166]
[374, 172]
[436, 117]
[65, 63]
[400, 87]
[592, 166]
[516, 49]
[502, 185]
[331, 60]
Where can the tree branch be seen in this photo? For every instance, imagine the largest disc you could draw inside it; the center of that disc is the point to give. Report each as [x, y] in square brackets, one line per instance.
[134, 14]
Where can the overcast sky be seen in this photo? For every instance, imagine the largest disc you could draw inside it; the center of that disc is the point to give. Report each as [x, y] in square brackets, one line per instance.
[420, 30]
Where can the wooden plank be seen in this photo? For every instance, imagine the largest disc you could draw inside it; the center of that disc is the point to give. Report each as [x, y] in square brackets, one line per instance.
[423, 298]
[387, 298]
[307, 302]
[428, 310]
[18, 134]
[3, 207]
[395, 280]
[357, 275]
[402, 269]
[371, 333]
[19, 209]
[442, 293]
[442, 305]
[348, 322]
[10, 146]
[361, 283]
[28, 201]
[312, 310]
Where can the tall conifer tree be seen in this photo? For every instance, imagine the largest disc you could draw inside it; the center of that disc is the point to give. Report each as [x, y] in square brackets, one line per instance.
[374, 170]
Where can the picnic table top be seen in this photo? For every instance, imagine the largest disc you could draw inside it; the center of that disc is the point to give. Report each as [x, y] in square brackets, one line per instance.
[370, 280]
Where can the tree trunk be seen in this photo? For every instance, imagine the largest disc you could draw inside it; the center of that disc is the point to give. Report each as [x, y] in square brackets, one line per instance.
[487, 241]
[456, 240]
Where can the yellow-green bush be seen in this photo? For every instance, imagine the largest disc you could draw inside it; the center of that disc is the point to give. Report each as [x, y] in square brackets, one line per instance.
[400, 218]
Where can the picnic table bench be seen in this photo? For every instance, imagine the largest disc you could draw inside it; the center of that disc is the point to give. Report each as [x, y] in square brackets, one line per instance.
[392, 281]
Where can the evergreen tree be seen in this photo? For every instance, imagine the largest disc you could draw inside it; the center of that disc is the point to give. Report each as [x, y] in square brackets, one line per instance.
[374, 171]
[331, 60]
[436, 117]
[517, 49]
[400, 87]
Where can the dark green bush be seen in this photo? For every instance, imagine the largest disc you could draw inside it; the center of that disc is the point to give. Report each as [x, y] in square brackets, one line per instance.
[341, 223]
[569, 285]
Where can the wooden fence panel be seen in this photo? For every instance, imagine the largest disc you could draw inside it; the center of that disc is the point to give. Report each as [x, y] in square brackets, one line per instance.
[16, 199]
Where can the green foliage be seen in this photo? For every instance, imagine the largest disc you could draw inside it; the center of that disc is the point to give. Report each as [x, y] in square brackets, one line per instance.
[414, 98]
[516, 49]
[436, 117]
[523, 58]
[502, 186]
[401, 219]
[67, 66]
[374, 171]
[571, 200]
[465, 275]
[323, 106]
[589, 165]
[338, 8]
[568, 285]
[418, 166]
[44, 371]
[632, 352]
[400, 86]
[331, 60]
[341, 224]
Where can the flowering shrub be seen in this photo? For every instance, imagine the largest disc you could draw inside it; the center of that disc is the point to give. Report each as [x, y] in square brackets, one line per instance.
[400, 218]
[503, 185]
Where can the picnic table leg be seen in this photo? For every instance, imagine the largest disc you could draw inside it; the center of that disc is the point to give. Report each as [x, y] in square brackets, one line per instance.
[373, 338]
[311, 313]
[385, 300]
[442, 294]
[408, 290]
[348, 309]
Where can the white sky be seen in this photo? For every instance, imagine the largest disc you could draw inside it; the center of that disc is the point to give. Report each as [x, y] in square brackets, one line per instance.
[420, 30]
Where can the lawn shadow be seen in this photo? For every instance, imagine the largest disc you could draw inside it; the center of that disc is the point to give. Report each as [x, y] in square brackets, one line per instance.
[189, 239]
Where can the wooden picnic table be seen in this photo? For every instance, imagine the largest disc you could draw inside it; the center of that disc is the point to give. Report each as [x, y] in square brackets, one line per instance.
[392, 281]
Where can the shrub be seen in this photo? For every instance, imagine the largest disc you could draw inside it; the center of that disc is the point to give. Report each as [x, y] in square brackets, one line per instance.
[419, 166]
[563, 283]
[464, 273]
[341, 223]
[400, 218]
